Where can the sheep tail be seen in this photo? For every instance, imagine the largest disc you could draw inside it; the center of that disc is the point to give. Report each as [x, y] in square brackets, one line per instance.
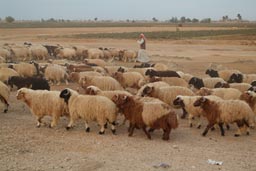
[172, 120]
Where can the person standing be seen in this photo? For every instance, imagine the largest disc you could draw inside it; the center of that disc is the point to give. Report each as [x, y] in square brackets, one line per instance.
[142, 55]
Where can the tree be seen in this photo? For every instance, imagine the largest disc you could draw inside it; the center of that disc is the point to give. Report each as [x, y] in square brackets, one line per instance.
[183, 19]
[206, 20]
[239, 17]
[194, 20]
[173, 20]
[188, 20]
[225, 18]
[95, 19]
[9, 19]
[154, 19]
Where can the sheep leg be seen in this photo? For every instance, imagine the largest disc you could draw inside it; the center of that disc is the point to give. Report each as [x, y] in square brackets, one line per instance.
[247, 127]
[5, 102]
[190, 121]
[39, 118]
[166, 134]
[131, 129]
[240, 124]
[87, 128]
[54, 121]
[113, 129]
[221, 129]
[146, 132]
[227, 126]
[199, 122]
[184, 113]
[210, 125]
[70, 124]
[151, 130]
[102, 130]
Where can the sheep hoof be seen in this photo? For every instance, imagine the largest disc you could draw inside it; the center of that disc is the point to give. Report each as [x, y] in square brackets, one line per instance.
[199, 126]
[247, 133]
[38, 126]
[113, 131]
[5, 110]
[222, 134]
[165, 138]
[151, 130]
[236, 135]
[101, 133]
[87, 129]
[212, 129]
[106, 125]
[149, 137]
[68, 128]
[50, 126]
[204, 134]
[183, 116]
[191, 125]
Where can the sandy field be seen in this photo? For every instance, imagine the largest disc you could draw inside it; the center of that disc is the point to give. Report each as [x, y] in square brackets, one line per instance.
[25, 147]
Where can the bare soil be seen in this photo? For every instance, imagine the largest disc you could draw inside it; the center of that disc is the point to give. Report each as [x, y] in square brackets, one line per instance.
[25, 147]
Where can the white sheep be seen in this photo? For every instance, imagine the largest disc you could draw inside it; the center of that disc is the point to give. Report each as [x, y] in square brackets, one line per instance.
[93, 53]
[156, 86]
[172, 81]
[5, 53]
[185, 76]
[77, 76]
[79, 51]
[55, 73]
[103, 82]
[160, 67]
[2, 59]
[38, 52]
[20, 53]
[211, 82]
[4, 95]
[240, 86]
[225, 112]
[110, 70]
[42, 103]
[224, 93]
[65, 53]
[130, 79]
[98, 62]
[128, 55]
[6, 73]
[25, 69]
[90, 108]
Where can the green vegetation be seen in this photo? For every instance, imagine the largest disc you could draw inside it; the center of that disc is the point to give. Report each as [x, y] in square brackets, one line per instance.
[165, 34]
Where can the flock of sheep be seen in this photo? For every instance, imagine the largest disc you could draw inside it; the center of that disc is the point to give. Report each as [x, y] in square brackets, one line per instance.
[147, 95]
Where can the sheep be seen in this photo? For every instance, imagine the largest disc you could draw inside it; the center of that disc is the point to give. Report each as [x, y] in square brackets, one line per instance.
[79, 51]
[156, 66]
[115, 52]
[25, 69]
[253, 83]
[172, 81]
[33, 82]
[226, 111]
[5, 53]
[103, 82]
[77, 76]
[142, 71]
[224, 93]
[224, 74]
[78, 68]
[156, 115]
[168, 73]
[156, 86]
[110, 70]
[128, 55]
[5, 73]
[51, 49]
[198, 83]
[93, 53]
[239, 78]
[4, 95]
[187, 102]
[2, 59]
[250, 98]
[106, 53]
[18, 52]
[90, 108]
[239, 86]
[144, 65]
[93, 90]
[129, 79]
[42, 103]
[55, 73]
[65, 53]
[38, 52]
[97, 62]
[252, 88]
[185, 76]
[168, 94]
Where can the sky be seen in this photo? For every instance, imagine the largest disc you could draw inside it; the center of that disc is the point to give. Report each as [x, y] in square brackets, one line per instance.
[126, 9]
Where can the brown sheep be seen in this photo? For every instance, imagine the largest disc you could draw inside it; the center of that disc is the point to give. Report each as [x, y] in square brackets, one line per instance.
[140, 115]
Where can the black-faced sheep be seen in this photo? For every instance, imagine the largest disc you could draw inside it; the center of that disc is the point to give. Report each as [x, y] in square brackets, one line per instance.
[242, 78]
[239, 86]
[226, 111]
[42, 103]
[224, 93]
[89, 108]
[156, 115]
[224, 74]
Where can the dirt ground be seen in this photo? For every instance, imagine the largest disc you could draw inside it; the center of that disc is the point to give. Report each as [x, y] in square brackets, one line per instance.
[25, 147]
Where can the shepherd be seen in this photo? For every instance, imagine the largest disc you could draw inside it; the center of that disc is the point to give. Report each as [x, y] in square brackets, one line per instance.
[142, 55]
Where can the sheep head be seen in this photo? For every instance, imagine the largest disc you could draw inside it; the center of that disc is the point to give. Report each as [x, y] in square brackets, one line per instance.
[150, 72]
[212, 73]
[178, 102]
[221, 85]
[204, 91]
[252, 88]
[21, 93]
[65, 94]
[235, 78]
[92, 90]
[121, 69]
[196, 82]
[201, 101]
[120, 99]
[147, 91]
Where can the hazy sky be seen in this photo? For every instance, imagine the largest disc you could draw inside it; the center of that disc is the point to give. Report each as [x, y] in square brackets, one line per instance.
[126, 9]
